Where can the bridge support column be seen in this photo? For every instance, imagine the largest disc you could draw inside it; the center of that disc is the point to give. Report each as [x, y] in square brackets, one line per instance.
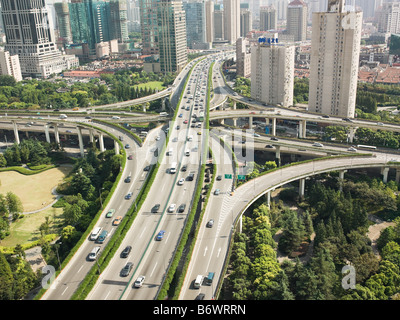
[240, 224]
[101, 142]
[302, 184]
[278, 155]
[56, 134]
[351, 134]
[250, 122]
[221, 121]
[385, 172]
[16, 134]
[163, 104]
[234, 105]
[302, 129]
[397, 175]
[273, 127]
[80, 139]
[27, 134]
[116, 147]
[234, 121]
[46, 132]
[341, 178]
[268, 196]
[91, 136]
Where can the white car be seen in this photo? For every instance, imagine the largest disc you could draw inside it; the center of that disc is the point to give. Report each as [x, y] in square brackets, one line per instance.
[181, 181]
[157, 138]
[352, 149]
[139, 281]
[172, 207]
[317, 144]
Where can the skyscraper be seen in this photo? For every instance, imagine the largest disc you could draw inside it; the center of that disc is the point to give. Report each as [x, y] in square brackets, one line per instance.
[172, 35]
[149, 26]
[297, 20]
[63, 19]
[268, 18]
[335, 50]
[388, 18]
[231, 20]
[245, 22]
[195, 23]
[30, 35]
[272, 73]
[219, 30]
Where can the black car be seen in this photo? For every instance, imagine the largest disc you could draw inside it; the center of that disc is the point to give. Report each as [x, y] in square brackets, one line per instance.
[127, 269]
[126, 252]
[182, 207]
[190, 176]
[146, 168]
[274, 138]
[219, 178]
[155, 208]
[184, 168]
[325, 116]
[128, 179]
[200, 296]
[269, 146]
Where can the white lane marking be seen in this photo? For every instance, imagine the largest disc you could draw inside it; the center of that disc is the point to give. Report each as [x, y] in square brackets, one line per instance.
[219, 251]
[80, 268]
[107, 295]
[205, 251]
[142, 232]
[153, 270]
[64, 291]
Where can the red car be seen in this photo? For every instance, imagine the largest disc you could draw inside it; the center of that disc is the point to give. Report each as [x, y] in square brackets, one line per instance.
[130, 157]
[185, 122]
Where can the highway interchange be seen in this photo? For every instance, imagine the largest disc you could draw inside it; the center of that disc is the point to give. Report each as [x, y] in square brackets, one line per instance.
[150, 257]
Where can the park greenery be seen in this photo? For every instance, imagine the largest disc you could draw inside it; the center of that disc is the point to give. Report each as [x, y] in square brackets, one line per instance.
[333, 219]
[61, 94]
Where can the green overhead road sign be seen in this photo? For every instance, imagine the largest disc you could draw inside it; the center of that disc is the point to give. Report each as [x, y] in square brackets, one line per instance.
[228, 176]
[241, 177]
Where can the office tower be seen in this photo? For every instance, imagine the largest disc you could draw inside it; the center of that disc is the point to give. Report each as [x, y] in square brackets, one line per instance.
[231, 20]
[243, 58]
[133, 15]
[245, 22]
[219, 33]
[388, 18]
[297, 20]
[148, 26]
[272, 73]
[209, 21]
[335, 50]
[172, 35]
[10, 65]
[29, 34]
[268, 18]
[118, 20]
[367, 6]
[63, 21]
[195, 24]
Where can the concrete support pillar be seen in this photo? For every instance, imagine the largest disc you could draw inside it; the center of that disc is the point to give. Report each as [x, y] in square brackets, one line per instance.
[221, 121]
[397, 175]
[80, 139]
[352, 131]
[144, 107]
[101, 142]
[273, 128]
[56, 134]
[268, 196]
[240, 224]
[46, 132]
[302, 129]
[163, 104]
[341, 178]
[250, 122]
[234, 105]
[91, 136]
[302, 184]
[116, 147]
[278, 155]
[385, 172]
[234, 121]
[27, 134]
[15, 127]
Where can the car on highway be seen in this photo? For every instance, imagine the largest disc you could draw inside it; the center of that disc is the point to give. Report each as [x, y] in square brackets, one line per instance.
[110, 213]
[181, 208]
[219, 178]
[184, 168]
[199, 133]
[146, 168]
[94, 253]
[210, 223]
[130, 157]
[256, 135]
[185, 122]
[352, 149]
[127, 146]
[127, 269]
[160, 235]
[274, 138]
[128, 196]
[180, 115]
[139, 281]
[128, 179]
[126, 251]
[117, 221]
[155, 208]
[172, 207]
[181, 181]
[317, 144]
[217, 192]
[158, 138]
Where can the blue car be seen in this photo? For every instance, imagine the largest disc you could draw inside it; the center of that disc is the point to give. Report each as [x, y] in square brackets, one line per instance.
[160, 235]
[181, 115]
[128, 196]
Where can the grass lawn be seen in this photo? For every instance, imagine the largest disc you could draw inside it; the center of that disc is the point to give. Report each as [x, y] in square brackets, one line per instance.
[33, 190]
[152, 85]
[26, 229]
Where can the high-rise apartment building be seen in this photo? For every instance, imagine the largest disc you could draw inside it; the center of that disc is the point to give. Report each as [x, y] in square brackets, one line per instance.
[245, 22]
[268, 18]
[195, 23]
[171, 35]
[243, 58]
[209, 21]
[297, 20]
[63, 21]
[388, 17]
[118, 20]
[149, 26]
[231, 20]
[272, 73]
[10, 65]
[219, 31]
[335, 50]
[30, 35]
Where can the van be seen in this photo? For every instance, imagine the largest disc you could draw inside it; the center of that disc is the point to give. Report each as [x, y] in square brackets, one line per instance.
[115, 117]
[190, 138]
[62, 116]
[187, 153]
[198, 281]
[94, 253]
[102, 237]
[95, 233]
[209, 278]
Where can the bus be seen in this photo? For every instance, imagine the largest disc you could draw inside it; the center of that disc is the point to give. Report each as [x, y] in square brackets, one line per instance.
[201, 116]
[360, 146]
[173, 168]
